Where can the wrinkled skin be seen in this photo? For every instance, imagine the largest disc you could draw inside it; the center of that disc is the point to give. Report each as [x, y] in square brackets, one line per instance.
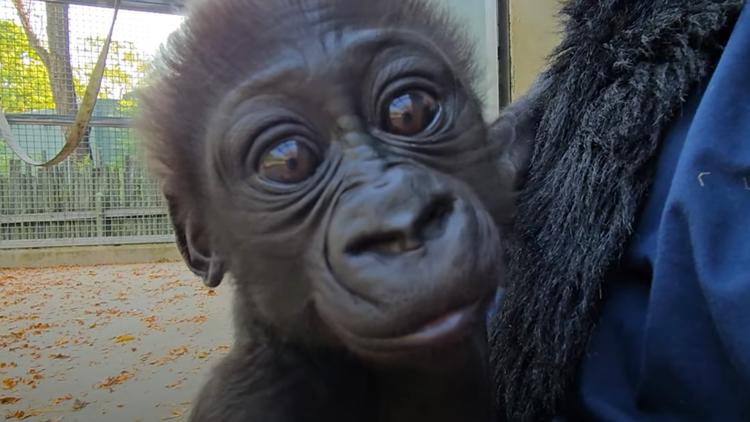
[337, 166]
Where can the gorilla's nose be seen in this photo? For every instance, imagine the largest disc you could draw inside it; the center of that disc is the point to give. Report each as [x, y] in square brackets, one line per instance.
[397, 214]
[404, 230]
[403, 239]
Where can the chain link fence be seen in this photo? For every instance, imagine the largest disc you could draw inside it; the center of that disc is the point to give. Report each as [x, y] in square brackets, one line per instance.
[102, 193]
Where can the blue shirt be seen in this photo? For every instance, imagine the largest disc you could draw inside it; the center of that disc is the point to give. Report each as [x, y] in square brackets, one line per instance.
[673, 342]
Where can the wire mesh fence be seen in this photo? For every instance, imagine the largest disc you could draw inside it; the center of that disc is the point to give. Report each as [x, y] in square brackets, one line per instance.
[102, 193]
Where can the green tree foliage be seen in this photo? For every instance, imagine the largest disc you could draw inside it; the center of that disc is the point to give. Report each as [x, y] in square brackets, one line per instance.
[24, 85]
[125, 67]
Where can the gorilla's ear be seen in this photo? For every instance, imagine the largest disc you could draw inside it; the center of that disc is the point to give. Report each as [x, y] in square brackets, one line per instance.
[514, 132]
[194, 244]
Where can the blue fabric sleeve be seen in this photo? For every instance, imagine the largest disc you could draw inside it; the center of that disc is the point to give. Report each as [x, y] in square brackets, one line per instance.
[673, 343]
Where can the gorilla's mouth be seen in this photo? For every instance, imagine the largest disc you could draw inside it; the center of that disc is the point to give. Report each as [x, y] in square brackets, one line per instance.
[448, 328]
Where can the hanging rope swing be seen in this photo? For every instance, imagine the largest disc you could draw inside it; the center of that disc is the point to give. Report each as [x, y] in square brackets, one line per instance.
[74, 133]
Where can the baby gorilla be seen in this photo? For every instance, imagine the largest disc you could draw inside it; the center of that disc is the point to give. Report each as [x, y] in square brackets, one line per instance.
[331, 156]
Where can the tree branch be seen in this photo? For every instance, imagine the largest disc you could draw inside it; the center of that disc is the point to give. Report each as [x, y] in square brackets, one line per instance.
[39, 49]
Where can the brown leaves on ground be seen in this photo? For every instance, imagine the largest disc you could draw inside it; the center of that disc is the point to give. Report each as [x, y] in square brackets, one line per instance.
[19, 317]
[197, 319]
[22, 414]
[10, 383]
[176, 414]
[115, 380]
[21, 333]
[62, 399]
[171, 355]
[34, 375]
[178, 351]
[9, 400]
[125, 338]
[39, 326]
[18, 414]
[177, 384]
[53, 323]
[58, 356]
[79, 404]
[151, 323]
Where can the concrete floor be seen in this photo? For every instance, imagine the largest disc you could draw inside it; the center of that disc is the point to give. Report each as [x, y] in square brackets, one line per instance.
[107, 343]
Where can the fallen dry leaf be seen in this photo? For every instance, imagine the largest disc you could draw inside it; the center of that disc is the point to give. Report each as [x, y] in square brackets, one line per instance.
[125, 338]
[39, 326]
[115, 380]
[9, 400]
[176, 413]
[18, 414]
[197, 319]
[178, 351]
[176, 384]
[9, 383]
[23, 414]
[34, 376]
[62, 399]
[79, 404]
[151, 322]
[172, 355]
[59, 356]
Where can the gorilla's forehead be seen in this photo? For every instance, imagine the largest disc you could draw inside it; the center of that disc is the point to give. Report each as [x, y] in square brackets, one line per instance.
[334, 60]
[315, 17]
[313, 30]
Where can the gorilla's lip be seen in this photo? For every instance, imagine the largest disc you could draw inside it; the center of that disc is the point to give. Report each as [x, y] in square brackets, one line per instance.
[448, 328]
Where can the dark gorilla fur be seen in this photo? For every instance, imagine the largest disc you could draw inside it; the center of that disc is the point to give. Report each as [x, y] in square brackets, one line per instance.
[616, 81]
[361, 288]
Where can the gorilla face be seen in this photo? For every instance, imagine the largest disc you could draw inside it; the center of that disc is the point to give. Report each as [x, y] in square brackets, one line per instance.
[342, 174]
[341, 192]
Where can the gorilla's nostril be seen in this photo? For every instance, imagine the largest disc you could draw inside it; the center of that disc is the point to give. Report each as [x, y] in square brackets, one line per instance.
[389, 243]
[431, 222]
[401, 235]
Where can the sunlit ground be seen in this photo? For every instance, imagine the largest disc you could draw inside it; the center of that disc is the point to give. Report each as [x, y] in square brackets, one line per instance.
[107, 343]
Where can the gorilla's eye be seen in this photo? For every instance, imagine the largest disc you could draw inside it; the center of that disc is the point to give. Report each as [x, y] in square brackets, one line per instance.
[289, 161]
[410, 113]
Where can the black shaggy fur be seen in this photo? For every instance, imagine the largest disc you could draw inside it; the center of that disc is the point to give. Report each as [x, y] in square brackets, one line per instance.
[614, 84]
